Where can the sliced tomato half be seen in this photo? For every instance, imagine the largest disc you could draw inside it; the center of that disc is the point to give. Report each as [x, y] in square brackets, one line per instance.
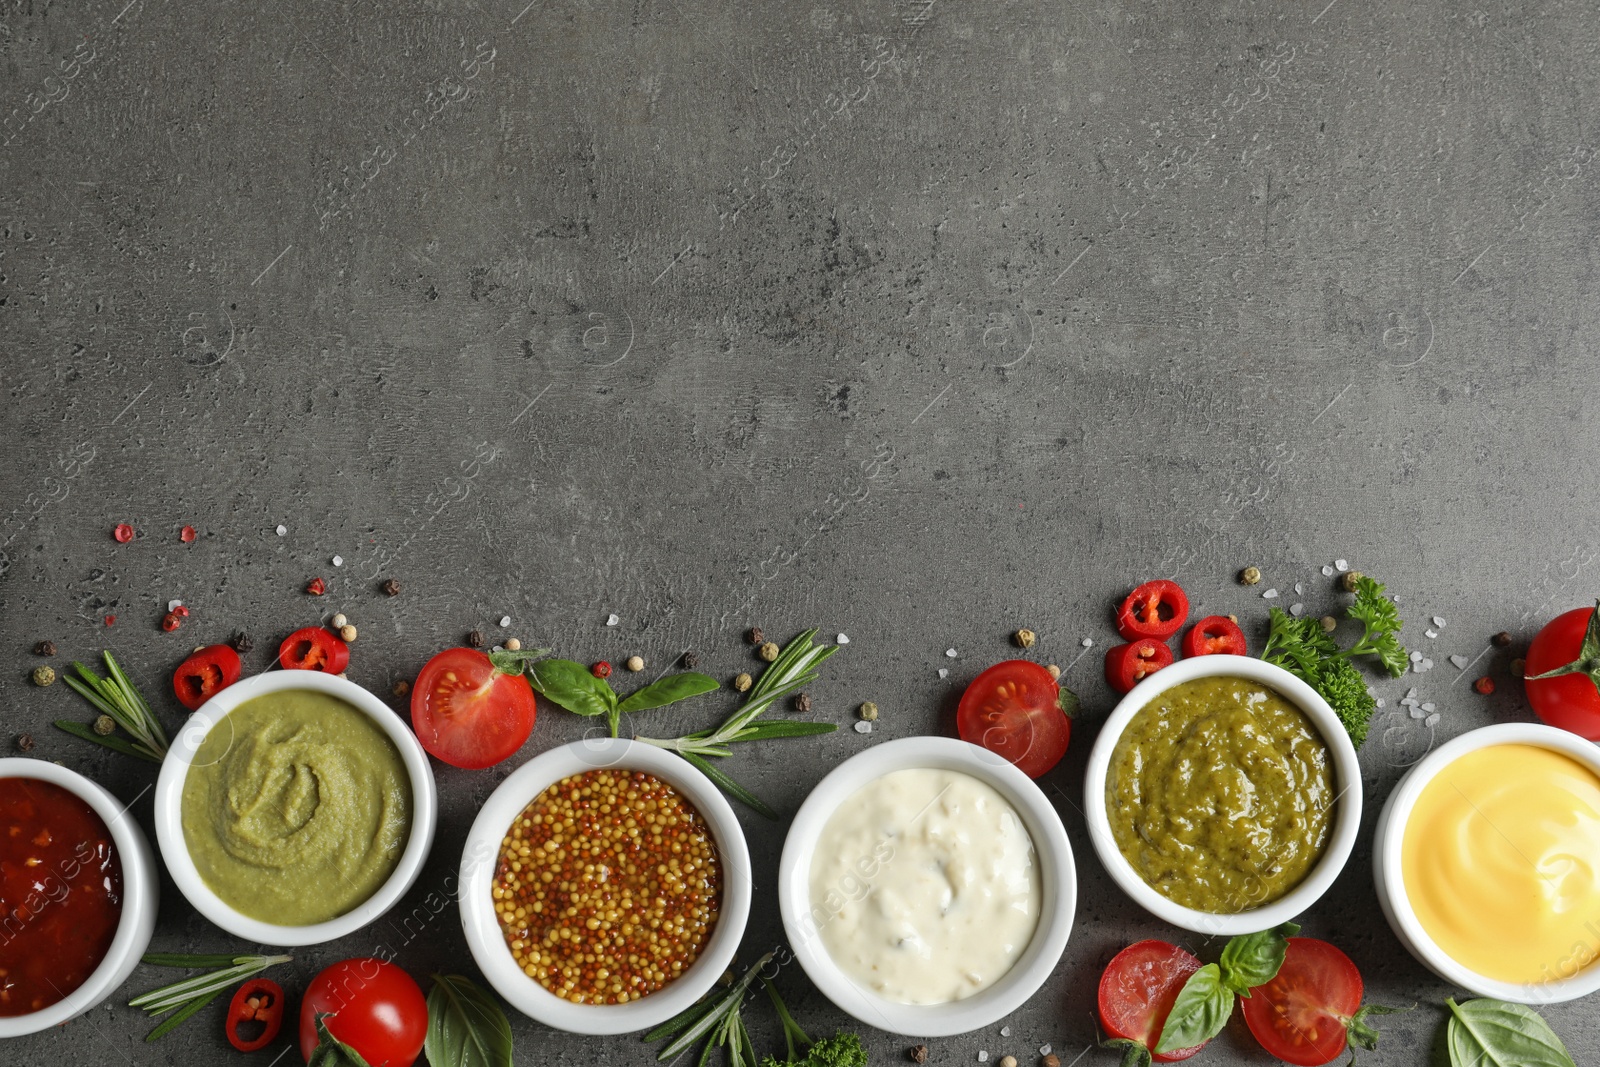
[1137, 992]
[1017, 711]
[468, 712]
[205, 674]
[1214, 635]
[314, 649]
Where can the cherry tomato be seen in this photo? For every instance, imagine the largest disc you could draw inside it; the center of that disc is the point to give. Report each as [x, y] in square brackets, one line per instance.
[1014, 709]
[1213, 635]
[1137, 991]
[1301, 1015]
[314, 649]
[257, 1002]
[372, 1006]
[467, 712]
[1128, 665]
[1570, 701]
[1155, 609]
[205, 674]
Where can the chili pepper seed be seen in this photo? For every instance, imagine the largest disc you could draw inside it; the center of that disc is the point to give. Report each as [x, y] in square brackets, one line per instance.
[1055, 672]
[338, 620]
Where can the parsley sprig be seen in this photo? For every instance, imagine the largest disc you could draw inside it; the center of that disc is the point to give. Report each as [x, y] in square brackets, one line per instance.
[1302, 647]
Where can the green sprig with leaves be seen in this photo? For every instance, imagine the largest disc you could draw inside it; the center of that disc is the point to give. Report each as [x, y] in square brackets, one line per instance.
[1302, 647]
[794, 669]
[117, 697]
[193, 994]
[576, 688]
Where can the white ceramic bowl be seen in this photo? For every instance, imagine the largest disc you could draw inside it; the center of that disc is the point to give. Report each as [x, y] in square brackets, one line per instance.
[1387, 874]
[482, 852]
[169, 809]
[1053, 854]
[1347, 780]
[141, 894]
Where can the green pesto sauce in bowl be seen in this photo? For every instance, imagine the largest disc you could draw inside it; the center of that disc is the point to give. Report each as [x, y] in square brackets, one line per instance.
[296, 808]
[1220, 794]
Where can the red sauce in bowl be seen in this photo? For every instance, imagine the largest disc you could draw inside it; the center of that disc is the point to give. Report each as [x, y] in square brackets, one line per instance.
[60, 894]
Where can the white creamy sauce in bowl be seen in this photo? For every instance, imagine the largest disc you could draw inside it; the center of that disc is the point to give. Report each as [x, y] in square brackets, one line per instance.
[924, 886]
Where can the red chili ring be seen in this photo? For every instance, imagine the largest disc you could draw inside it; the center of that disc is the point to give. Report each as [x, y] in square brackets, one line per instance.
[1155, 609]
[1214, 635]
[267, 1010]
[1128, 665]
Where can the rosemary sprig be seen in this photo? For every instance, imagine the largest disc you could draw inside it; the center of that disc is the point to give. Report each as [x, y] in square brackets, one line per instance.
[794, 669]
[716, 1017]
[116, 696]
[192, 994]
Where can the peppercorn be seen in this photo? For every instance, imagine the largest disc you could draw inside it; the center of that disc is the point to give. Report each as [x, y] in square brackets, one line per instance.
[1052, 1060]
[755, 636]
[347, 633]
[44, 675]
[24, 742]
[1484, 686]
[1008, 1061]
[241, 642]
[316, 587]
[1501, 640]
[601, 669]
[1329, 624]
[45, 648]
[513, 645]
[475, 638]
[635, 663]
[917, 1053]
[768, 651]
[338, 620]
[401, 688]
[742, 682]
[122, 532]
[802, 702]
[1053, 670]
[690, 661]
[1250, 576]
[390, 587]
[1349, 580]
[104, 725]
[171, 621]
[1518, 666]
[868, 711]
[1024, 638]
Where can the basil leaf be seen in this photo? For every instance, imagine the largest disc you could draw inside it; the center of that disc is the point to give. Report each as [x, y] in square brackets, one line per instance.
[505, 661]
[1199, 1013]
[1067, 701]
[330, 1051]
[1134, 1054]
[1254, 959]
[669, 690]
[573, 686]
[466, 1027]
[1493, 1033]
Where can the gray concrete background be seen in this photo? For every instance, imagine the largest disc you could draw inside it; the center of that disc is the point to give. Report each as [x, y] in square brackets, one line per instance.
[571, 308]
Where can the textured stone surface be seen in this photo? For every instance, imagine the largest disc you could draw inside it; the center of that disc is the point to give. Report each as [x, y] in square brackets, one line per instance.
[920, 322]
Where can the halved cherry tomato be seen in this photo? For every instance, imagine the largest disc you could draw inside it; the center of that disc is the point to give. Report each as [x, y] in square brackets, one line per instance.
[314, 649]
[205, 674]
[1017, 711]
[372, 1006]
[468, 712]
[1214, 635]
[1155, 609]
[1570, 700]
[1128, 665]
[1137, 991]
[259, 1002]
[1309, 1012]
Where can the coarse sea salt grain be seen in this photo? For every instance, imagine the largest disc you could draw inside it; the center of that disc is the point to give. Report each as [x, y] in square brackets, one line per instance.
[1005, 1031]
[1270, 594]
[505, 620]
[338, 561]
[950, 652]
[1437, 621]
[1044, 1050]
[1431, 720]
[1416, 657]
[1460, 662]
[1430, 706]
[944, 672]
[863, 727]
[174, 605]
[1431, 633]
[983, 1057]
[1341, 565]
[1417, 713]
[612, 620]
[1327, 570]
[1411, 694]
[282, 530]
[1427, 664]
[1378, 702]
[1297, 609]
[1299, 588]
[843, 639]
[1087, 642]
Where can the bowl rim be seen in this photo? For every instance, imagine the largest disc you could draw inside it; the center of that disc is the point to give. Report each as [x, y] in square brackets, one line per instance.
[140, 889]
[169, 809]
[1390, 876]
[1348, 801]
[481, 850]
[1058, 891]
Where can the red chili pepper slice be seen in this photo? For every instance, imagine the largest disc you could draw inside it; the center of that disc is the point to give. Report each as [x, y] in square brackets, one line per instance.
[205, 674]
[316, 587]
[258, 1001]
[1128, 665]
[314, 649]
[1155, 609]
[1213, 635]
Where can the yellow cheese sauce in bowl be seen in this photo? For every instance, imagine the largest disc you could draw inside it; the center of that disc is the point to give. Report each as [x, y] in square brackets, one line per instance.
[1488, 863]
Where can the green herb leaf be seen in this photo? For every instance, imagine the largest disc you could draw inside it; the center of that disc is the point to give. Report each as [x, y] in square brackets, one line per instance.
[177, 1019]
[1134, 1054]
[1254, 959]
[669, 690]
[466, 1027]
[840, 1050]
[725, 1003]
[729, 786]
[174, 994]
[1199, 1013]
[330, 1051]
[686, 1017]
[117, 697]
[111, 741]
[1494, 1033]
[1359, 1034]
[792, 1034]
[1339, 682]
[761, 731]
[573, 686]
[1068, 702]
[515, 663]
[189, 959]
